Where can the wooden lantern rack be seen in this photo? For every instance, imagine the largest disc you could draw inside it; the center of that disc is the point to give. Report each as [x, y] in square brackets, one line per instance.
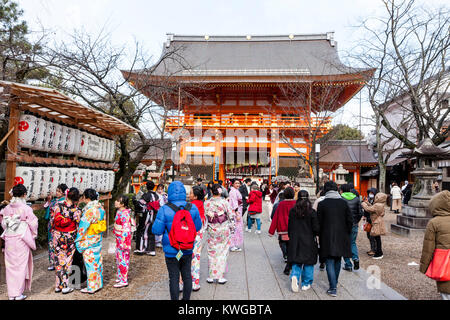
[57, 107]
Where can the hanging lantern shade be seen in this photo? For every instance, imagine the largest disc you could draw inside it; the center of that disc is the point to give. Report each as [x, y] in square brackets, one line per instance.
[28, 127]
[56, 138]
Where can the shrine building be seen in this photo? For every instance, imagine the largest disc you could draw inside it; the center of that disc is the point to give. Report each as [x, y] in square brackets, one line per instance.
[249, 105]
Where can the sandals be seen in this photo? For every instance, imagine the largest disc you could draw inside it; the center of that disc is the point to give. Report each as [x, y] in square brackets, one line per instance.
[120, 285]
[86, 290]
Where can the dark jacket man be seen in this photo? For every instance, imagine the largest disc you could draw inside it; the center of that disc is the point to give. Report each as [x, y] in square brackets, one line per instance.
[243, 189]
[353, 203]
[335, 222]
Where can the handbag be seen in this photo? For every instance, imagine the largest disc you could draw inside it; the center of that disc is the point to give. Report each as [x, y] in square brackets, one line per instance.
[439, 268]
[367, 227]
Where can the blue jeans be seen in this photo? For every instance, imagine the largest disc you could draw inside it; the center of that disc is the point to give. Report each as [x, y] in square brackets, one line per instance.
[303, 271]
[333, 269]
[355, 256]
[258, 223]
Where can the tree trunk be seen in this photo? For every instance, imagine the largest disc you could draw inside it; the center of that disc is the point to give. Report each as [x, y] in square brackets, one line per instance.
[382, 178]
[127, 166]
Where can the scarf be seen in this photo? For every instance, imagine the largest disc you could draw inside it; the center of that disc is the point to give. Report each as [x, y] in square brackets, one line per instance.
[332, 195]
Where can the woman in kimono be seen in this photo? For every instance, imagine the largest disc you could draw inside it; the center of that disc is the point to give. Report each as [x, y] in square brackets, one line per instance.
[221, 225]
[196, 197]
[89, 240]
[66, 217]
[49, 206]
[123, 233]
[235, 201]
[21, 228]
[163, 200]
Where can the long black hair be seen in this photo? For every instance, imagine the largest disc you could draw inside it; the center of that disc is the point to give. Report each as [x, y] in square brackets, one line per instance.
[303, 205]
[19, 191]
[125, 201]
[90, 194]
[63, 187]
[74, 194]
[216, 189]
[198, 193]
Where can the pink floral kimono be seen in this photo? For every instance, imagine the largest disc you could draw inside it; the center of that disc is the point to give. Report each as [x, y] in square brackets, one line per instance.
[235, 201]
[21, 227]
[122, 231]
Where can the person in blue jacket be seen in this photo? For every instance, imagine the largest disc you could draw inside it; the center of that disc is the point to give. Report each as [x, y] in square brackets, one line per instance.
[162, 226]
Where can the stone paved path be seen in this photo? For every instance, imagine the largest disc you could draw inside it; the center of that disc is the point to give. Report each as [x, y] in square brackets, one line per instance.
[256, 273]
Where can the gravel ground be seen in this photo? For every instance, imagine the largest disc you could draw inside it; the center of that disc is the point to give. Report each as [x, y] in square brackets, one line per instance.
[395, 272]
[398, 253]
[143, 270]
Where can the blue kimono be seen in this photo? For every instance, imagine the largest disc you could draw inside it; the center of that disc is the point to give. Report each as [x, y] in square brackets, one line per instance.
[49, 217]
[89, 244]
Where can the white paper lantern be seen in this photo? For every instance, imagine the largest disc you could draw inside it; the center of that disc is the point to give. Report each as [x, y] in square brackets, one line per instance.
[100, 186]
[45, 183]
[65, 176]
[84, 148]
[77, 142]
[42, 141]
[35, 190]
[68, 141]
[41, 127]
[111, 176]
[89, 179]
[112, 150]
[82, 180]
[50, 137]
[105, 181]
[54, 180]
[95, 180]
[105, 146]
[107, 150]
[98, 150]
[91, 146]
[75, 177]
[28, 131]
[25, 176]
[56, 139]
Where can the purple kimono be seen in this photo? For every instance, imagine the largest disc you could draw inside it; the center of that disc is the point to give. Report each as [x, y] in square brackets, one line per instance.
[235, 201]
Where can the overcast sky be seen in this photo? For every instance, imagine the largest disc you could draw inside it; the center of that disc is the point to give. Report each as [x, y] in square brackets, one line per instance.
[148, 21]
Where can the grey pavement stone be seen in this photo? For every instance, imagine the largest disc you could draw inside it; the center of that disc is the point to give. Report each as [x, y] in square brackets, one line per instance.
[256, 273]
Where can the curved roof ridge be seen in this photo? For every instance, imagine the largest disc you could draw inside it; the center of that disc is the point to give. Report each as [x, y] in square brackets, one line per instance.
[251, 37]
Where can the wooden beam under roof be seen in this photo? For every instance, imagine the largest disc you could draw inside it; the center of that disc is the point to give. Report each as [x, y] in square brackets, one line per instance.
[75, 112]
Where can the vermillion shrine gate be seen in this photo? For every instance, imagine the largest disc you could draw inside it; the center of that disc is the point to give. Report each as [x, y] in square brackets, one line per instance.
[245, 102]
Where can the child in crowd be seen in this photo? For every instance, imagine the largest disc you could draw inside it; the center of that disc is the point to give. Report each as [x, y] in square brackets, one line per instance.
[255, 208]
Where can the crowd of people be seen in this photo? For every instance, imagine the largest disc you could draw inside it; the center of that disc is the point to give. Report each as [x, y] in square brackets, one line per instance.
[212, 215]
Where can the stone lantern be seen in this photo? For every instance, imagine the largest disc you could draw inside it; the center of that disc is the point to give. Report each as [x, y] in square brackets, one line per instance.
[416, 214]
[340, 174]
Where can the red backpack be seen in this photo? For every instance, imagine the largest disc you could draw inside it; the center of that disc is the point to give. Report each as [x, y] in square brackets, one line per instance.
[182, 233]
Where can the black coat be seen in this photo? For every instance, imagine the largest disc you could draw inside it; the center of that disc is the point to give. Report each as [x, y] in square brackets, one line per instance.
[407, 194]
[335, 222]
[302, 247]
[356, 209]
[244, 192]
